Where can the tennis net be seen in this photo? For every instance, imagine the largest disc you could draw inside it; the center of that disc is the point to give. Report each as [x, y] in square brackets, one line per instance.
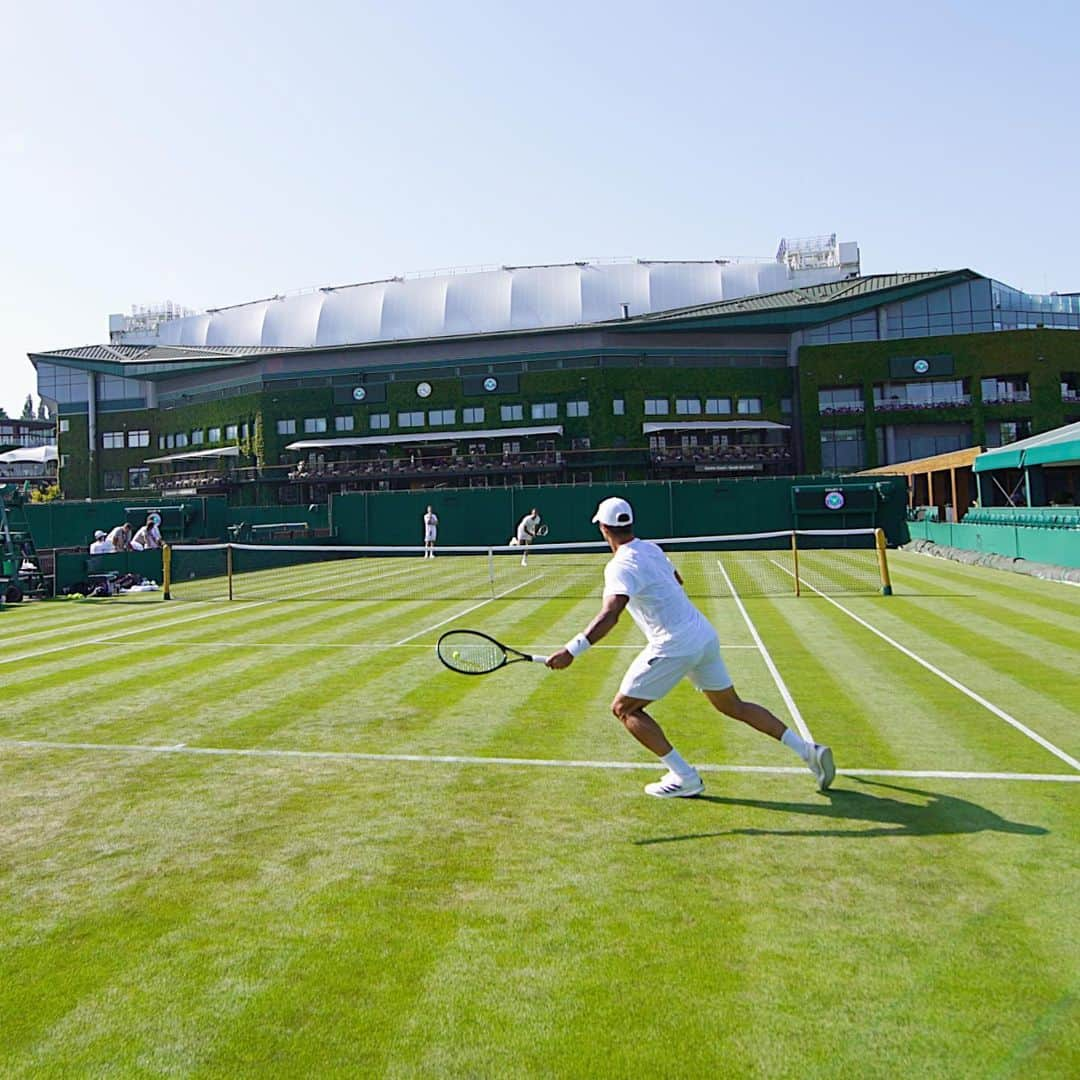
[851, 561]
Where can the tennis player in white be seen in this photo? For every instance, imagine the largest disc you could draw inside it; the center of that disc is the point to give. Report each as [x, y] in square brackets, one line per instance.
[431, 533]
[526, 532]
[681, 644]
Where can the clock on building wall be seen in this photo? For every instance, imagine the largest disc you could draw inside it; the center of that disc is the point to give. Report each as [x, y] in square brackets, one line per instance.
[490, 384]
[921, 367]
[359, 393]
[423, 389]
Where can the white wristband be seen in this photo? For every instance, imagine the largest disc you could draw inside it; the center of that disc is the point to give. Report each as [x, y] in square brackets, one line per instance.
[577, 645]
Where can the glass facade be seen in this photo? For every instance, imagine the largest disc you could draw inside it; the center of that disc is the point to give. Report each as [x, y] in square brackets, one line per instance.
[968, 308]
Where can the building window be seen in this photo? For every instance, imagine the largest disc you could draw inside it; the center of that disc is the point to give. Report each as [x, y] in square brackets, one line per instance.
[161, 442]
[687, 406]
[923, 394]
[838, 400]
[442, 416]
[379, 421]
[286, 427]
[511, 448]
[717, 406]
[545, 410]
[181, 438]
[344, 423]
[65, 426]
[64, 458]
[657, 442]
[510, 412]
[232, 431]
[138, 438]
[114, 480]
[314, 425]
[197, 437]
[170, 442]
[112, 440]
[472, 416]
[244, 431]
[581, 444]
[656, 406]
[410, 419]
[577, 408]
[749, 405]
[786, 406]
[214, 435]
[139, 477]
[1005, 389]
[842, 449]
[618, 406]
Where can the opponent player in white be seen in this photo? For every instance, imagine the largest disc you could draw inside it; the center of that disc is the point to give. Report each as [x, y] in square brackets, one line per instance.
[526, 532]
[681, 644]
[431, 532]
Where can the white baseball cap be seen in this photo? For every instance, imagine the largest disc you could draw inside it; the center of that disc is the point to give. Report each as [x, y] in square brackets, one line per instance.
[615, 512]
[100, 534]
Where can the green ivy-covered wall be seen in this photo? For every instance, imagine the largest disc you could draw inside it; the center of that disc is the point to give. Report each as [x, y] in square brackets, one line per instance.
[1041, 355]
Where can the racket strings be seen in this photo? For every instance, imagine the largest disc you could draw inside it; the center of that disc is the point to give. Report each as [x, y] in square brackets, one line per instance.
[470, 654]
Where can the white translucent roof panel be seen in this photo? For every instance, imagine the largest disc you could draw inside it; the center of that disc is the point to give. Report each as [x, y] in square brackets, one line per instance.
[490, 301]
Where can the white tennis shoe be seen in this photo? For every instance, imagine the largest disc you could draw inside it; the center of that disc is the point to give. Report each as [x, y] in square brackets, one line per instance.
[673, 786]
[822, 766]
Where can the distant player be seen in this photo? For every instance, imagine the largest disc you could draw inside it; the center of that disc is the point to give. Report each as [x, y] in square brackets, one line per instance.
[681, 644]
[526, 533]
[431, 533]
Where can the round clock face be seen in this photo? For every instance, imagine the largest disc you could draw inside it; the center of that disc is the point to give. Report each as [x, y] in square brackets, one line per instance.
[834, 500]
[359, 393]
[921, 367]
[423, 389]
[491, 384]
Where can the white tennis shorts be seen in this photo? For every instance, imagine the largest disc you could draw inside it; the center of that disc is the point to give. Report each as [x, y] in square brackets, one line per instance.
[653, 674]
[429, 535]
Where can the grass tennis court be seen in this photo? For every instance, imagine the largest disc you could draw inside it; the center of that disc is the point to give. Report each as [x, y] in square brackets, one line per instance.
[263, 837]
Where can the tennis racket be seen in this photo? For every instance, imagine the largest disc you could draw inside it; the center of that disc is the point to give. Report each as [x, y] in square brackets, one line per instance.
[469, 652]
[541, 530]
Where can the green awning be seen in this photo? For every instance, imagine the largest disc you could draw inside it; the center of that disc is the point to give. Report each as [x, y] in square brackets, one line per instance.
[1058, 447]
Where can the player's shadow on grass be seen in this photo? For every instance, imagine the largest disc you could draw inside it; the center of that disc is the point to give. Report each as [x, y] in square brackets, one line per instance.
[941, 815]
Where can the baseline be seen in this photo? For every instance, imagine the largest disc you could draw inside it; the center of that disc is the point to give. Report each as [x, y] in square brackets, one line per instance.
[542, 763]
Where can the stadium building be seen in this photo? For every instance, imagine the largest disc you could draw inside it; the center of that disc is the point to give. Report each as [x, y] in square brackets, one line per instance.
[585, 372]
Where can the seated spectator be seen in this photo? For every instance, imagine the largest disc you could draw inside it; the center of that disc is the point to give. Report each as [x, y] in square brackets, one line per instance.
[120, 538]
[147, 538]
[100, 545]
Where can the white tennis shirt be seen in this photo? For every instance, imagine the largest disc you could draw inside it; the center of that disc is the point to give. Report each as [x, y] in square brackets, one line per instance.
[527, 527]
[431, 525]
[658, 603]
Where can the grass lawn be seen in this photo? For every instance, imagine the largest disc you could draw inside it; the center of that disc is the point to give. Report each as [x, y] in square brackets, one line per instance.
[267, 838]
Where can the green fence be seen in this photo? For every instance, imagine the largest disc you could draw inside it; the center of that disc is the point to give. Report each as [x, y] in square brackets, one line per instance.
[1057, 546]
[73, 567]
[483, 516]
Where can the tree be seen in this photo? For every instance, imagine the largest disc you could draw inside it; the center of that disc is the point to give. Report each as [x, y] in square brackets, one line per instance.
[3, 415]
[42, 410]
[28, 408]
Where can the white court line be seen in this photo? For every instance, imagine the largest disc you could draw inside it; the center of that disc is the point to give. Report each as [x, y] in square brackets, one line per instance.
[461, 614]
[785, 693]
[541, 763]
[1046, 744]
[295, 645]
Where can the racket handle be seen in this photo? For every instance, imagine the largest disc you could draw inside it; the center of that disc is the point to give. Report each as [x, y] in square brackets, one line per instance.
[538, 659]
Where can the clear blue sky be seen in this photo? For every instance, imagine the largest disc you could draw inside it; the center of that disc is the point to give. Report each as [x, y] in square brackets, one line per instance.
[212, 153]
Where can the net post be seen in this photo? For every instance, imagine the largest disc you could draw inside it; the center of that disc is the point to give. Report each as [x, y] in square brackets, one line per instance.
[491, 571]
[795, 559]
[166, 570]
[229, 568]
[883, 562]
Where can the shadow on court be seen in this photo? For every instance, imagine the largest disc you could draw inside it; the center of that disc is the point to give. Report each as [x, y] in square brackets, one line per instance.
[940, 815]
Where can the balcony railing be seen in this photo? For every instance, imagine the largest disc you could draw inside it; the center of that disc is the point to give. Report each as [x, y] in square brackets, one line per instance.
[1015, 397]
[959, 401]
[1070, 395]
[853, 408]
[732, 453]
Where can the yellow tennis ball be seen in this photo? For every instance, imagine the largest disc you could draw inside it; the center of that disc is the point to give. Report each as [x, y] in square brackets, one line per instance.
[456, 654]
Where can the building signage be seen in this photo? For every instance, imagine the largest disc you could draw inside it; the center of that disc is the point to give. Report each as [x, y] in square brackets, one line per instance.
[834, 500]
[359, 393]
[423, 389]
[921, 366]
[904, 367]
[491, 384]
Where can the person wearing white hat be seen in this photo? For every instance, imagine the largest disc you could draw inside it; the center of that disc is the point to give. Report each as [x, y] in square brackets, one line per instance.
[682, 643]
[100, 545]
